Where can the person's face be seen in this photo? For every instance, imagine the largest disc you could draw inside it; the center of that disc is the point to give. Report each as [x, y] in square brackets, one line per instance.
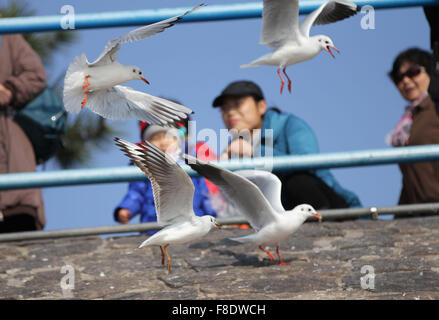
[243, 113]
[166, 142]
[414, 83]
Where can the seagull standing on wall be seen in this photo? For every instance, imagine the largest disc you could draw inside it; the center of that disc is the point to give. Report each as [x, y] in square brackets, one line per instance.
[291, 41]
[257, 196]
[96, 84]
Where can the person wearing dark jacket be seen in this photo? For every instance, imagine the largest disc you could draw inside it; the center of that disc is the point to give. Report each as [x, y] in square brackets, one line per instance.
[419, 126]
[243, 108]
[432, 14]
[22, 78]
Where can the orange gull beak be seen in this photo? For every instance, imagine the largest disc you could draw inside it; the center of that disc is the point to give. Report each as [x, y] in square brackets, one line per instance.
[144, 80]
[328, 48]
[318, 216]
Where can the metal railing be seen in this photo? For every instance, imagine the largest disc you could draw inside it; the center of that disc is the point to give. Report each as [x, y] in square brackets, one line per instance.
[143, 17]
[278, 164]
[328, 215]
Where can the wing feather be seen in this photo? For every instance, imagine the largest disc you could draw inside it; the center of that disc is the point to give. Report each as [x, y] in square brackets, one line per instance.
[120, 102]
[173, 189]
[109, 54]
[268, 183]
[246, 196]
[329, 12]
[280, 22]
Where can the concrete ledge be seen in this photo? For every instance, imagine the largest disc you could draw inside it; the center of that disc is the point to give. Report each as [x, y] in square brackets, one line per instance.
[326, 263]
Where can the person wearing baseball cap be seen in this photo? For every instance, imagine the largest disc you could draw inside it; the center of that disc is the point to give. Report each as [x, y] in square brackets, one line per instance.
[243, 108]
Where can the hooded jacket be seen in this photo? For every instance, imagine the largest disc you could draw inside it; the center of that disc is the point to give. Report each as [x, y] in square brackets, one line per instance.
[22, 72]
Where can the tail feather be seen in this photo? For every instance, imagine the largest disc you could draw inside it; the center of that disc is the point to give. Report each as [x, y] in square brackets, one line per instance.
[248, 65]
[79, 63]
[73, 93]
[144, 243]
[265, 59]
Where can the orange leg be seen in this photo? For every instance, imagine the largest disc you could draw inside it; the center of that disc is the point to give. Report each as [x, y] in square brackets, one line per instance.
[289, 80]
[85, 99]
[267, 252]
[86, 82]
[163, 255]
[283, 82]
[168, 258]
[282, 263]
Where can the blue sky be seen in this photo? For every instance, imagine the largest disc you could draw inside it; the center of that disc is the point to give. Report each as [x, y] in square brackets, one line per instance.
[348, 101]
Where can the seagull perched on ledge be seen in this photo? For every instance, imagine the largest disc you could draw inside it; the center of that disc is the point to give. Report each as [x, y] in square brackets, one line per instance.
[291, 41]
[257, 196]
[173, 192]
[97, 84]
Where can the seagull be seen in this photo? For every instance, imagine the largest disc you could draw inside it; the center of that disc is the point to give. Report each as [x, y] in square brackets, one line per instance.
[173, 192]
[97, 84]
[291, 41]
[257, 195]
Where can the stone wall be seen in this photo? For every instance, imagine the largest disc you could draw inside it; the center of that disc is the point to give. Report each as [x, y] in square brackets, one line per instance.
[326, 263]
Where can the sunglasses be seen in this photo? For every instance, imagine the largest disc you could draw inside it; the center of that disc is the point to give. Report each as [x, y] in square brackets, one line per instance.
[411, 72]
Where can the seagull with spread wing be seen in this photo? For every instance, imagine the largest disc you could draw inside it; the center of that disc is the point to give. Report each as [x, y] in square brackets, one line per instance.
[97, 84]
[290, 39]
[257, 196]
[173, 192]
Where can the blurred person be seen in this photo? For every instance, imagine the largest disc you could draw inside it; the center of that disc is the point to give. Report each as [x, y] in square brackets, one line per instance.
[139, 199]
[22, 78]
[432, 14]
[419, 125]
[243, 108]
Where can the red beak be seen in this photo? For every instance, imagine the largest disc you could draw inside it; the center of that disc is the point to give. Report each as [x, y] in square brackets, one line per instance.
[318, 216]
[144, 80]
[329, 50]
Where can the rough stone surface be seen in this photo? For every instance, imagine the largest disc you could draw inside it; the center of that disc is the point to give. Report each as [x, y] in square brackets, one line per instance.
[326, 263]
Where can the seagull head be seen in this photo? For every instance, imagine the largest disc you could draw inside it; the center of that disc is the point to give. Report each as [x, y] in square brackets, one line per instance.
[326, 44]
[307, 211]
[136, 73]
[211, 221]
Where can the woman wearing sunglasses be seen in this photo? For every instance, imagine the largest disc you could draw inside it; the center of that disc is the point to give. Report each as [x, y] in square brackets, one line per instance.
[419, 125]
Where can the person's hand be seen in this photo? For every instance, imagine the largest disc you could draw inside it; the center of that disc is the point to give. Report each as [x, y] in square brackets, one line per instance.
[123, 216]
[5, 96]
[239, 148]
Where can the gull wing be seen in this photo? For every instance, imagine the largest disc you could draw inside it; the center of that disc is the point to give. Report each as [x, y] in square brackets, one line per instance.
[120, 102]
[331, 11]
[280, 22]
[173, 189]
[268, 183]
[109, 55]
[242, 192]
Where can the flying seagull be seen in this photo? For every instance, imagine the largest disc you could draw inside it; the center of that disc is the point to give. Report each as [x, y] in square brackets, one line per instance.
[290, 39]
[97, 84]
[173, 192]
[257, 195]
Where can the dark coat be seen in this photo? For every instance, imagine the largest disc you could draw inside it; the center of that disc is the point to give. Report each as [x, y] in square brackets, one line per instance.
[420, 180]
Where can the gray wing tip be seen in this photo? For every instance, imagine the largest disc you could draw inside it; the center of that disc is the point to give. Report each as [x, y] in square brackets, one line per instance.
[192, 10]
[187, 158]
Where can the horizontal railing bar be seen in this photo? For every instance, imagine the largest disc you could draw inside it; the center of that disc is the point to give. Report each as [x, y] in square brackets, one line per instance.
[328, 215]
[276, 164]
[144, 17]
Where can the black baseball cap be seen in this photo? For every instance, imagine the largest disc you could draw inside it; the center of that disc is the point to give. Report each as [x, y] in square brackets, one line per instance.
[239, 89]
